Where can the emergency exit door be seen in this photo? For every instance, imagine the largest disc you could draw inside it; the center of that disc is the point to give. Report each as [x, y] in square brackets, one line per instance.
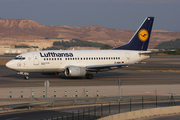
[127, 57]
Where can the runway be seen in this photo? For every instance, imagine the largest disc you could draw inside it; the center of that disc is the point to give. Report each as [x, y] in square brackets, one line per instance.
[129, 76]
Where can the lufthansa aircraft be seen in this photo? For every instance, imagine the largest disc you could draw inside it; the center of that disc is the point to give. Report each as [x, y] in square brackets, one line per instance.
[80, 63]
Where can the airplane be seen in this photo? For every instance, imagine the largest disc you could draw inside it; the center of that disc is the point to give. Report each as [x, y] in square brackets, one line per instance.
[81, 63]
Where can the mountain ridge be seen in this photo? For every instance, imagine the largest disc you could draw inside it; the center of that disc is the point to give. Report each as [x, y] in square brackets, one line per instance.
[31, 30]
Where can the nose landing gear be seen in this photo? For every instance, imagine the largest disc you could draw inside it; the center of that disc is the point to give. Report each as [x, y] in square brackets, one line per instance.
[26, 77]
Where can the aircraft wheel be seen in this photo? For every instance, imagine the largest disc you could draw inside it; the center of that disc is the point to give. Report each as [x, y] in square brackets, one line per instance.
[26, 77]
[89, 76]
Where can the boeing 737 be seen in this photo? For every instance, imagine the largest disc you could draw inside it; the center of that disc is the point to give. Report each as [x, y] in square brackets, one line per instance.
[81, 63]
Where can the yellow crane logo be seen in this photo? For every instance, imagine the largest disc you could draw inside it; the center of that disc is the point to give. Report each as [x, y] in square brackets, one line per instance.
[143, 35]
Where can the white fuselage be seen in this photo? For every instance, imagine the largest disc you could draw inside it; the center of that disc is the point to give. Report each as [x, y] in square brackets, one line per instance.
[79, 63]
[58, 60]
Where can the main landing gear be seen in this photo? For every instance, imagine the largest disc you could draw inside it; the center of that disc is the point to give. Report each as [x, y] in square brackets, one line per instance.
[89, 76]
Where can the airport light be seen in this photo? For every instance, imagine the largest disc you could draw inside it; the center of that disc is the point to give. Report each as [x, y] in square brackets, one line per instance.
[43, 93]
[10, 94]
[76, 94]
[65, 94]
[54, 93]
[32, 94]
[86, 93]
[21, 94]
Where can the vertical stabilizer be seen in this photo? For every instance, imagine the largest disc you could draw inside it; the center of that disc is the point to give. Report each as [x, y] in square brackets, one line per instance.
[140, 40]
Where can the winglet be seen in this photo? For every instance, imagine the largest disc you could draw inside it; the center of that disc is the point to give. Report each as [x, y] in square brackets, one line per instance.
[140, 40]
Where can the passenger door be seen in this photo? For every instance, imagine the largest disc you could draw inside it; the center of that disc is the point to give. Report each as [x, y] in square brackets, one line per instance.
[35, 59]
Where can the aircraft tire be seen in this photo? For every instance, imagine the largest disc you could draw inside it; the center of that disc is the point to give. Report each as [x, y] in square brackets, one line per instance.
[89, 76]
[26, 77]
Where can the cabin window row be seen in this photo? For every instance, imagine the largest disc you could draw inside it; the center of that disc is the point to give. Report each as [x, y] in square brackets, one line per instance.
[52, 58]
[86, 58]
[94, 58]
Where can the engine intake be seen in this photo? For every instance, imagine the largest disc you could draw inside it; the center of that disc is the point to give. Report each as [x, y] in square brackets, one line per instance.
[75, 71]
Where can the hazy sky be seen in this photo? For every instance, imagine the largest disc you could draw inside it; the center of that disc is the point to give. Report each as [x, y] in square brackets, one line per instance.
[120, 14]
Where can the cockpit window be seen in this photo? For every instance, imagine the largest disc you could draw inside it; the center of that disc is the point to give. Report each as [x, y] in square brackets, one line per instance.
[19, 58]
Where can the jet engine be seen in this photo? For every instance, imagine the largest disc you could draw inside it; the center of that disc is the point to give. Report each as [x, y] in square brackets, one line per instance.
[74, 71]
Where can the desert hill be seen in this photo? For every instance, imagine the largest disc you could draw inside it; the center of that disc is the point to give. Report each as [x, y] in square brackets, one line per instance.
[21, 31]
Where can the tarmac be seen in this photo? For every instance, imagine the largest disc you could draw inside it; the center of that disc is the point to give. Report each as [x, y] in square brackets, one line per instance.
[139, 79]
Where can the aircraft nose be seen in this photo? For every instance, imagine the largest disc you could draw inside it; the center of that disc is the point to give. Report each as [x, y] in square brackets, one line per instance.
[9, 64]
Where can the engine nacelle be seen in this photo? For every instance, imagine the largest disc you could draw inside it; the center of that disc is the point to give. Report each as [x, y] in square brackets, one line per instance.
[74, 71]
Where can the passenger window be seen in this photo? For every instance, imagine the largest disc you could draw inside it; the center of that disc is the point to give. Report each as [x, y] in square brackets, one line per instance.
[65, 58]
[57, 58]
[49, 58]
[44, 58]
[54, 58]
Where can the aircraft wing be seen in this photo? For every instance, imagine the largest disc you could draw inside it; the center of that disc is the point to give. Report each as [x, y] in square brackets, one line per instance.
[96, 68]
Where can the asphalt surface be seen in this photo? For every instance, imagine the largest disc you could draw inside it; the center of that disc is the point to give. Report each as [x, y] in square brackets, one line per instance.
[129, 76]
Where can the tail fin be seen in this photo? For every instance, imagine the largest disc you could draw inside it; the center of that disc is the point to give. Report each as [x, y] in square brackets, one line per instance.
[140, 40]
